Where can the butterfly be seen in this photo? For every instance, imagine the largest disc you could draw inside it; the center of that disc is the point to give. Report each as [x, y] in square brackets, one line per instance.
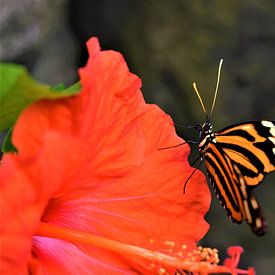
[237, 159]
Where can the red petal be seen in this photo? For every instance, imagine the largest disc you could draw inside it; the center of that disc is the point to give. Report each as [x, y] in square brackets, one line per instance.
[22, 203]
[98, 153]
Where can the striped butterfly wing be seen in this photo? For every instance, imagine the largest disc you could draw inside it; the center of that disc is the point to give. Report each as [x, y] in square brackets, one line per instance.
[237, 161]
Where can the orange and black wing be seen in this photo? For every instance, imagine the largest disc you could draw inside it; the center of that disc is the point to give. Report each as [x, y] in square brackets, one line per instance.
[236, 161]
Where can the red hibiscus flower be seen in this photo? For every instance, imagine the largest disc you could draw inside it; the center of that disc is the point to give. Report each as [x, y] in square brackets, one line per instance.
[89, 185]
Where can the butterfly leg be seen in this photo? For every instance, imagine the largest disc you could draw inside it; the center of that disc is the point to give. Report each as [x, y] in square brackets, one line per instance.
[193, 172]
[174, 146]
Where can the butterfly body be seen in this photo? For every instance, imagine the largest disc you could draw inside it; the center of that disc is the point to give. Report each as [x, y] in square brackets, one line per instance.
[237, 158]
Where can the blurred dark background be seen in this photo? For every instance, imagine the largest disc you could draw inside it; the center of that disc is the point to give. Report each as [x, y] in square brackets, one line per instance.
[168, 44]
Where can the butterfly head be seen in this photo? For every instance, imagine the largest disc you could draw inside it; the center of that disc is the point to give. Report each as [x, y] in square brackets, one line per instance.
[205, 130]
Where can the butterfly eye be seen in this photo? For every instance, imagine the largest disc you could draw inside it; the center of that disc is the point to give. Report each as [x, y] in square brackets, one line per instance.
[206, 127]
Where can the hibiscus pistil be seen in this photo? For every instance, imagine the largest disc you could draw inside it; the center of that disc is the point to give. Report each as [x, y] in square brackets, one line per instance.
[200, 260]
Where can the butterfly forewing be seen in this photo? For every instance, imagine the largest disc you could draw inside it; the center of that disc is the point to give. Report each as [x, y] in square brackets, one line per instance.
[222, 177]
[237, 158]
[252, 146]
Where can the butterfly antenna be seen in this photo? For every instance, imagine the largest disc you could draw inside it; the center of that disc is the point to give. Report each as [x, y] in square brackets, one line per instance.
[200, 99]
[217, 86]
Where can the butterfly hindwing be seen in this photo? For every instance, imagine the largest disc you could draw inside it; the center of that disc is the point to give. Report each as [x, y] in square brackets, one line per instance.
[251, 209]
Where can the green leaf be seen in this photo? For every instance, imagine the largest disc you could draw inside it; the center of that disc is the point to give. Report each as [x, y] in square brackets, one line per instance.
[7, 145]
[18, 89]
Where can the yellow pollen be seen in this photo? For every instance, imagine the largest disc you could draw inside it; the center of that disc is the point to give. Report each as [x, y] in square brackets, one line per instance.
[204, 255]
[162, 271]
[170, 243]
[184, 246]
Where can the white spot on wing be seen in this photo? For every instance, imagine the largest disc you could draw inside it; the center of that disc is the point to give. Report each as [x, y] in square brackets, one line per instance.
[270, 125]
[272, 139]
[259, 223]
[254, 203]
[247, 212]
